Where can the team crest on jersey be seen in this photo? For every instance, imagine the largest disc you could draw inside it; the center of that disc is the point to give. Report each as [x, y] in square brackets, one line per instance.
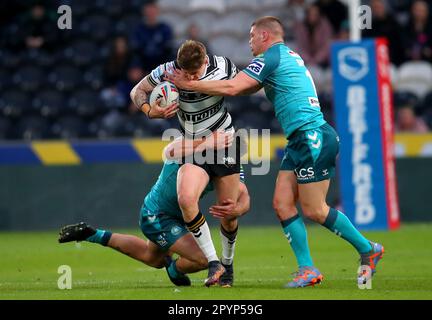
[176, 230]
[256, 66]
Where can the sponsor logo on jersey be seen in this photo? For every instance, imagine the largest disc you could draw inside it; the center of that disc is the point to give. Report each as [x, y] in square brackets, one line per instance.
[200, 116]
[157, 73]
[314, 102]
[305, 173]
[256, 66]
[161, 240]
[228, 160]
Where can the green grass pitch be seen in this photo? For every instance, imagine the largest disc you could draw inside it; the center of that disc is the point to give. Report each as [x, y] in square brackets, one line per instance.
[263, 263]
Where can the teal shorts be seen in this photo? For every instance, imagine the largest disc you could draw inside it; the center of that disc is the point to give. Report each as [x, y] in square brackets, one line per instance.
[160, 228]
[311, 154]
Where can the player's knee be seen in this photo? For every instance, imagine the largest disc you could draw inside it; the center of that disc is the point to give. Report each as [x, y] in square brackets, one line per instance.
[315, 213]
[283, 210]
[187, 200]
[153, 262]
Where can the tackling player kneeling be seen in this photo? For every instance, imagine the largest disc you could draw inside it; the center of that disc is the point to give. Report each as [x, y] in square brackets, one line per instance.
[162, 223]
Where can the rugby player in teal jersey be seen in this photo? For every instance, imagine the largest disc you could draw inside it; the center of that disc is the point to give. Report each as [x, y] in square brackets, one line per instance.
[162, 223]
[310, 156]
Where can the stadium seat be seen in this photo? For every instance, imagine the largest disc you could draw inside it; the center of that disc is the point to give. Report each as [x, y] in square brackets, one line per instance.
[275, 4]
[110, 125]
[176, 19]
[82, 7]
[174, 5]
[93, 77]
[426, 109]
[261, 103]
[401, 98]
[235, 22]
[204, 20]
[427, 101]
[393, 74]
[69, 127]
[5, 80]
[415, 76]
[13, 34]
[243, 5]
[97, 27]
[29, 78]
[84, 102]
[251, 120]
[13, 103]
[238, 105]
[127, 23]
[65, 78]
[136, 126]
[32, 127]
[5, 128]
[113, 8]
[224, 44]
[82, 53]
[9, 59]
[242, 55]
[42, 58]
[49, 103]
[214, 5]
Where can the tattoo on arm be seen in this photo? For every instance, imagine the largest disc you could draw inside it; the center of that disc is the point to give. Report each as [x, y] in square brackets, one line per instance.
[139, 92]
[139, 97]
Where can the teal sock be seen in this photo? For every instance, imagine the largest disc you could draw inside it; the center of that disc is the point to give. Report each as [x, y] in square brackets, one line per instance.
[339, 223]
[101, 236]
[172, 270]
[295, 231]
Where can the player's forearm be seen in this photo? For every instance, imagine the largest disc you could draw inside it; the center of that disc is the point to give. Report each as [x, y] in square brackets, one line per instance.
[138, 97]
[182, 148]
[216, 87]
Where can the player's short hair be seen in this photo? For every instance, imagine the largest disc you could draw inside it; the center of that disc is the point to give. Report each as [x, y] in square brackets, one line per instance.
[191, 55]
[270, 23]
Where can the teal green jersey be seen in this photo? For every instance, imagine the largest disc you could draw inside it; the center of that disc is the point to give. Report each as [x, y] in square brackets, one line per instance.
[288, 84]
[163, 195]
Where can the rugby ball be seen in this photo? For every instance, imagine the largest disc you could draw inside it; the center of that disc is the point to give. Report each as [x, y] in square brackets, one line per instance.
[167, 92]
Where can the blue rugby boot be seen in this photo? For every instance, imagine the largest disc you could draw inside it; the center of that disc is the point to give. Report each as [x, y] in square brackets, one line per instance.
[305, 277]
[368, 263]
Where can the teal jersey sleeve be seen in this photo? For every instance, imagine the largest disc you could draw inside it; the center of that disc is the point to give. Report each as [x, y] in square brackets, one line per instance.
[262, 67]
[289, 86]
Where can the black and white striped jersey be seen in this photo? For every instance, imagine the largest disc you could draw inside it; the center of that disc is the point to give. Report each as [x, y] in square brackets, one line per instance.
[200, 114]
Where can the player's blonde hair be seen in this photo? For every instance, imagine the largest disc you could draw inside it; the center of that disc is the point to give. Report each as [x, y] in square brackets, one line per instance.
[271, 24]
[191, 55]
